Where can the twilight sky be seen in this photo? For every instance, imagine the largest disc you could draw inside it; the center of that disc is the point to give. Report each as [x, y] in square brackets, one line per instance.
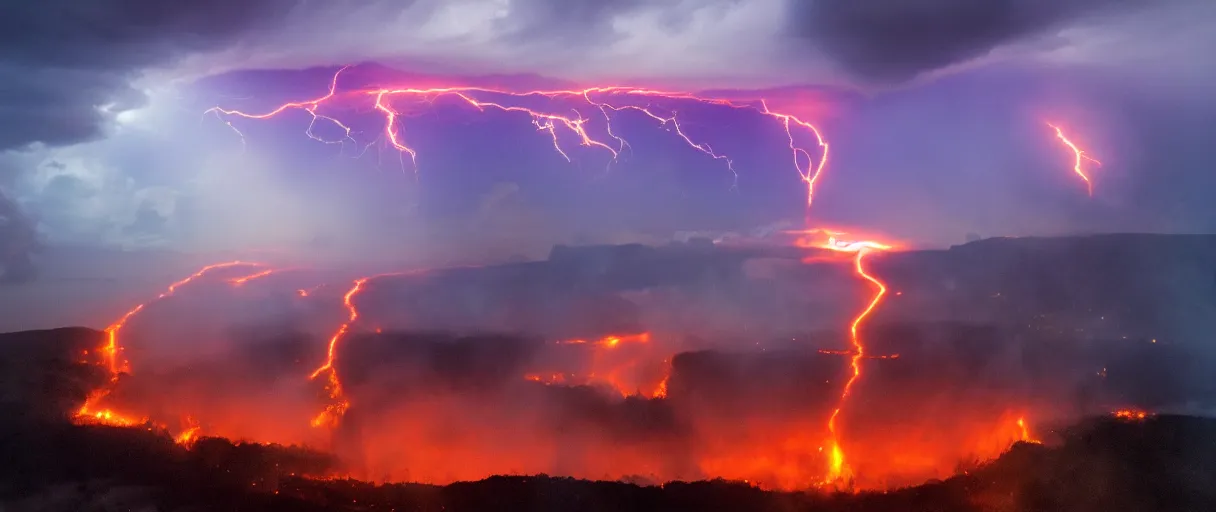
[934, 110]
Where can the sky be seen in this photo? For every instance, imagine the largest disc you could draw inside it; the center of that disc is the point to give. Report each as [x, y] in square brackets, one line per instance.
[934, 110]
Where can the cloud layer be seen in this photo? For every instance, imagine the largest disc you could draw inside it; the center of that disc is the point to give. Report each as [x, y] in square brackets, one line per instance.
[894, 40]
[96, 143]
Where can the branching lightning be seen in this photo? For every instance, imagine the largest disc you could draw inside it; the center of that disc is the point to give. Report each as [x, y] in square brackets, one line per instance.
[1079, 157]
[604, 99]
[111, 351]
[590, 124]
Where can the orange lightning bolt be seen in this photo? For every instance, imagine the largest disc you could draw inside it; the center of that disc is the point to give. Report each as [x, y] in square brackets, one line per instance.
[838, 470]
[112, 348]
[1079, 159]
[335, 410]
[238, 281]
[604, 99]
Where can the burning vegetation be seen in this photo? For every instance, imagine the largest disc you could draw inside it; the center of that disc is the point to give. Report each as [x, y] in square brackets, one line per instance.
[607, 382]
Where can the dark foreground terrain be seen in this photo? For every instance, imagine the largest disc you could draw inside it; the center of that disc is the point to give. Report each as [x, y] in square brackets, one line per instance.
[1104, 464]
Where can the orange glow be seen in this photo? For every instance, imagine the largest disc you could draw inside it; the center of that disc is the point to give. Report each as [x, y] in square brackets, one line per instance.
[188, 436]
[1079, 158]
[602, 99]
[1130, 414]
[238, 281]
[838, 470]
[612, 341]
[1026, 437]
[831, 240]
[86, 414]
[617, 362]
[660, 391]
[334, 411]
[113, 348]
[90, 412]
[780, 450]
[547, 379]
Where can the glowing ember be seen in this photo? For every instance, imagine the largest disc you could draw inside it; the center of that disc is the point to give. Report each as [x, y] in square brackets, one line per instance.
[1026, 437]
[188, 436]
[1130, 414]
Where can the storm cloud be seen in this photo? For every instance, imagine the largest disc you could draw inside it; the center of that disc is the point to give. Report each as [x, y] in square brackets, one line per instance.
[895, 40]
[17, 243]
[67, 66]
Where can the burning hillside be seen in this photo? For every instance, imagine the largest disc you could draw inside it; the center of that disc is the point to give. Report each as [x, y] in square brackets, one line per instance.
[592, 365]
[1124, 463]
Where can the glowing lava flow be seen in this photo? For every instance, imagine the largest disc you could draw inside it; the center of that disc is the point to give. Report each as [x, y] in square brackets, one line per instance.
[1079, 157]
[334, 411]
[603, 99]
[112, 348]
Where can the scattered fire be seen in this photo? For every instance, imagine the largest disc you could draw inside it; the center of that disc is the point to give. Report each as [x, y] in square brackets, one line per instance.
[612, 340]
[90, 411]
[188, 436]
[618, 362]
[1026, 437]
[1130, 414]
[446, 449]
[548, 379]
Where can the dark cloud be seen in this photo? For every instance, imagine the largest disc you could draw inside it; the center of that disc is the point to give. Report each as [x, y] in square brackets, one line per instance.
[583, 22]
[148, 222]
[67, 64]
[18, 241]
[567, 17]
[895, 40]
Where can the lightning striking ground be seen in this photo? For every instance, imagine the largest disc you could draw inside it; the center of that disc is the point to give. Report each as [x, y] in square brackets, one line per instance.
[838, 470]
[608, 101]
[332, 412]
[112, 350]
[1079, 157]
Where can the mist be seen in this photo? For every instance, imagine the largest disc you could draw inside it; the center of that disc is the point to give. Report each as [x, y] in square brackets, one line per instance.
[590, 363]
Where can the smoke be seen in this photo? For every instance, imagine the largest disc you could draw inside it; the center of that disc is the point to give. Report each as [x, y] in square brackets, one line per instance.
[590, 364]
[893, 41]
[18, 241]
